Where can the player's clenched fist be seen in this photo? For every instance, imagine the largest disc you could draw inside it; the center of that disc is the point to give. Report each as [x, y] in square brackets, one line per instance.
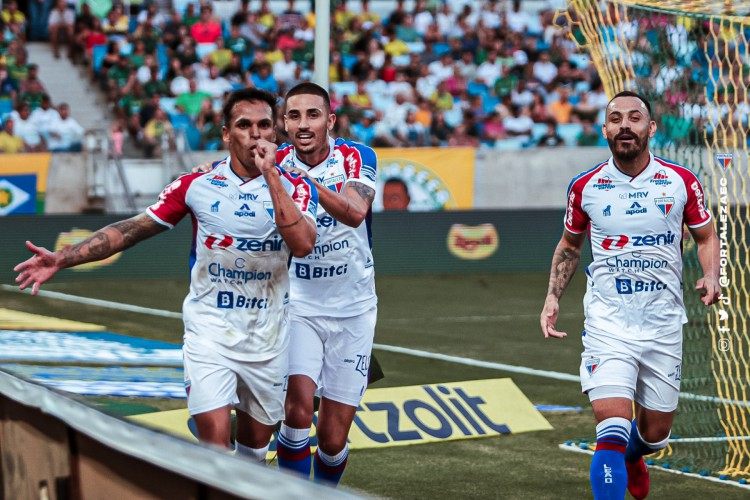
[265, 156]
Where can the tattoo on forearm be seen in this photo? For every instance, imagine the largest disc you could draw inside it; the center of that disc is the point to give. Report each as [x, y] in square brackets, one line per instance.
[135, 230]
[95, 247]
[564, 265]
[366, 193]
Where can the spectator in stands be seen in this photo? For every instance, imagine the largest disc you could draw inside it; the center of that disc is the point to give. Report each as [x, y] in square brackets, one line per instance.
[234, 73]
[588, 136]
[518, 20]
[493, 128]
[206, 30]
[8, 86]
[14, 20]
[88, 37]
[490, 70]
[65, 134]
[460, 137]
[155, 85]
[26, 130]
[152, 14]
[264, 80]
[10, 143]
[441, 98]
[336, 70]
[116, 24]
[238, 43]
[584, 110]
[171, 33]
[215, 85]
[157, 131]
[129, 107]
[443, 68]
[290, 18]
[45, 116]
[561, 110]
[457, 83]
[283, 71]
[544, 70]
[364, 131]
[519, 123]
[221, 57]
[550, 139]
[410, 132]
[506, 83]
[32, 89]
[255, 30]
[38, 14]
[467, 66]
[211, 133]
[18, 69]
[538, 109]
[190, 102]
[361, 98]
[522, 95]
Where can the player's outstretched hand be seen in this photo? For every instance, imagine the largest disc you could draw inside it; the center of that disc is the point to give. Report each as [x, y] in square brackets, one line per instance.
[710, 290]
[549, 318]
[36, 270]
[203, 167]
[265, 156]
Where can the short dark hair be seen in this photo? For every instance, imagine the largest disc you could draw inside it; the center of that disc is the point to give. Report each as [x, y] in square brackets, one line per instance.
[313, 89]
[248, 94]
[628, 93]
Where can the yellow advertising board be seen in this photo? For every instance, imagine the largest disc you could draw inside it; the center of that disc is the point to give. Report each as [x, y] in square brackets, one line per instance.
[27, 163]
[435, 178]
[18, 320]
[417, 414]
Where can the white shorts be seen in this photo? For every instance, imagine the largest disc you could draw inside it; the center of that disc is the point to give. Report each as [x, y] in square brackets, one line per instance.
[647, 370]
[334, 353]
[256, 387]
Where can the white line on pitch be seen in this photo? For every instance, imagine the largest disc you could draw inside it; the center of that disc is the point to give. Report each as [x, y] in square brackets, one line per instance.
[471, 319]
[400, 350]
[97, 302]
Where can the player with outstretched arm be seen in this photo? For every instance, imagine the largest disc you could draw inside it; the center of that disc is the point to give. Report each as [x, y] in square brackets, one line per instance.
[249, 218]
[633, 207]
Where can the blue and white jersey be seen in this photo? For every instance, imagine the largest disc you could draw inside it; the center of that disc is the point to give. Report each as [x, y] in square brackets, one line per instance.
[635, 228]
[239, 278]
[338, 278]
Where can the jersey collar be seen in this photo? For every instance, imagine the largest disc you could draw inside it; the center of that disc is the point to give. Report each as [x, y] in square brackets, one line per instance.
[331, 145]
[616, 172]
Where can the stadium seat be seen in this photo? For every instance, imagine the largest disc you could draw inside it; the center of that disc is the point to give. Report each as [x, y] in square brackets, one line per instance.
[193, 138]
[570, 132]
[415, 47]
[581, 60]
[6, 106]
[489, 102]
[97, 57]
[180, 121]
[476, 88]
[203, 49]
[582, 87]
[168, 105]
[344, 88]
[512, 144]
[441, 48]
[212, 145]
[161, 55]
[348, 60]
[537, 131]
[125, 48]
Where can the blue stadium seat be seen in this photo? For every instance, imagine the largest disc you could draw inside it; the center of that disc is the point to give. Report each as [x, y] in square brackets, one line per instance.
[203, 49]
[6, 106]
[537, 131]
[161, 56]
[212, 145]
[570, 132]
[97, 57]
[476, 88]
[512, 144]
[489, 102]
[441, 48]
[126, 48]
[193, 137]
[168, 105]
[415, 47]
[348, 60]
[180, 121]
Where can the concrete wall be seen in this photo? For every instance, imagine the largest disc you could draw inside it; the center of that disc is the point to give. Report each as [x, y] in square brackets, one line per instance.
[66, 184]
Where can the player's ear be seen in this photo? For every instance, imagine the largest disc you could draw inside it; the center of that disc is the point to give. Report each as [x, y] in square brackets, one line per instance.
[651, 128]
[225, 134]
[331, 121]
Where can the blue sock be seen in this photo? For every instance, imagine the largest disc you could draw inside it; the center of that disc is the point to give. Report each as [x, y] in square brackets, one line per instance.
[609, 478]
[293, 450]
[329, 469]
[638, 448]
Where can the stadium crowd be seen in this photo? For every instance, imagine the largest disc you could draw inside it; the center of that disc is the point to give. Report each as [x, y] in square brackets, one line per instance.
[443, 73]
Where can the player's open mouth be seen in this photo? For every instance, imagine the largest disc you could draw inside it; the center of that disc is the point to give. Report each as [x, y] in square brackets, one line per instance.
[305, 138]
[626, 139]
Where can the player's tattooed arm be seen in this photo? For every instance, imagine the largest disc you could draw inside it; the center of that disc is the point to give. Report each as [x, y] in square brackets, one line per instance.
[366, 193]
[564, 265]
[43, 265]
[110, 240]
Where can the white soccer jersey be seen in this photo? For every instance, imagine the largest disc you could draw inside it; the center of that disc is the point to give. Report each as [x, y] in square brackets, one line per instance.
[239, 279]
[338, 278]
[635, 223]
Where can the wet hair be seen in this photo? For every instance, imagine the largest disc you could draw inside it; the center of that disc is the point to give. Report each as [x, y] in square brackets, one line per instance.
[248, 94]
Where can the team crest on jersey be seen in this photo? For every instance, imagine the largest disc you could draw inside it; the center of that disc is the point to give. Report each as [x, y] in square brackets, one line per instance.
[724, 160]
[591, 364]
[661, 179]
[604, 183]
[334, 182]
[268, 207]
[664, 205]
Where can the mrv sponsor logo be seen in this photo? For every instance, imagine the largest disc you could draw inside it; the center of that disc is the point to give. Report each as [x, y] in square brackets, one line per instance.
[221, 274]
[307, 272]
[620, 241]
[231, 300]
[334, 246]
[626, 286]
[633, 262]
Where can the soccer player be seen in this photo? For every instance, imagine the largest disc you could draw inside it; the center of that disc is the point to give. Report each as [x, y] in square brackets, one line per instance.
[633, 207]
[249, 216]
[334, 306]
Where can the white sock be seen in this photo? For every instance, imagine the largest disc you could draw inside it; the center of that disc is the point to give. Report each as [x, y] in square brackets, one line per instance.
[334, 459]
[294, 435]
[255, 454]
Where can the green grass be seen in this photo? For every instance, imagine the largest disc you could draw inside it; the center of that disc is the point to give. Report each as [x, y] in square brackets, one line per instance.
[491, 317]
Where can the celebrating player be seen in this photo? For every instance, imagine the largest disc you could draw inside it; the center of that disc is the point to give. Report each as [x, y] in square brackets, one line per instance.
[633, 207]
[334, 306]
[248, 215]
